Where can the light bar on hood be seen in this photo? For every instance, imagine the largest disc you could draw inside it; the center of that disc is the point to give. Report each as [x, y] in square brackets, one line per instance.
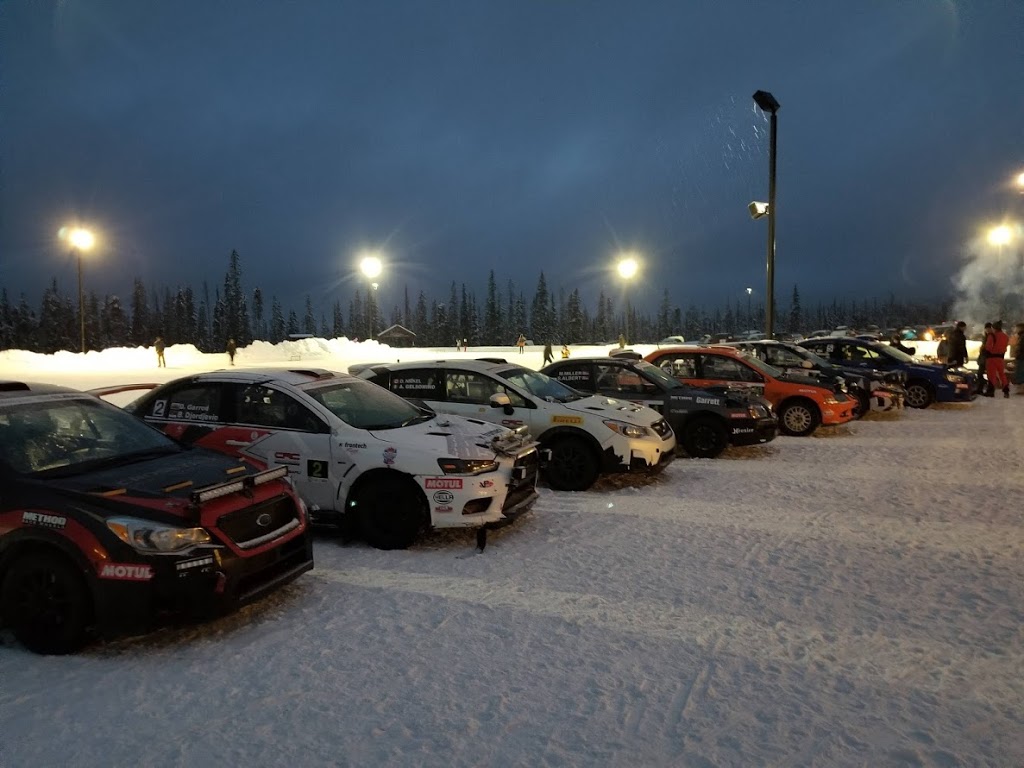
[226, 489]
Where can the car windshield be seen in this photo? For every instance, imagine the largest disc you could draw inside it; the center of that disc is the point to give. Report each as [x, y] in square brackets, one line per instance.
[365, 405]
[540, 385]
[655, 374]
[74, 434]
[895, 354]
[761, 365]
[807, 354]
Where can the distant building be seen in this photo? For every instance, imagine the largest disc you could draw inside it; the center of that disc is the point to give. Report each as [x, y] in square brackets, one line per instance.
[397, 336]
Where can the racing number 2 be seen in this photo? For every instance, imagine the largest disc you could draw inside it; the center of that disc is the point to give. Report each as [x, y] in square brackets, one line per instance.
[316, 469]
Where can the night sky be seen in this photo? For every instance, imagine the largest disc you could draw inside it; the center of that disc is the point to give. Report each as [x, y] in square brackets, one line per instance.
[459, 137]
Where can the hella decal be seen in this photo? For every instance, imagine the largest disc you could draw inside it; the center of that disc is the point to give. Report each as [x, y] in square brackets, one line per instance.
[443, 497]
[125, 572]
[566, 419]
[453, 483]
[46, 521]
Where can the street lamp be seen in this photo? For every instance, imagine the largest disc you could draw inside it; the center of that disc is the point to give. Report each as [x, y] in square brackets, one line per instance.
[627, 269]
[1000, 236]
[80, 240]
[767, 103]
[371, 266]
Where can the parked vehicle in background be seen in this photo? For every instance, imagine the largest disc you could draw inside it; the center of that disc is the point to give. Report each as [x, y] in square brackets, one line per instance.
[673, 340]
[360, 456]
[107, 525]
[706, 421]
[873, 389]
[925, 383]
[801, 403]
[587, 436]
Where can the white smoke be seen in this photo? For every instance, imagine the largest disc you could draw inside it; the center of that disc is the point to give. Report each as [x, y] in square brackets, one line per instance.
[990, 286]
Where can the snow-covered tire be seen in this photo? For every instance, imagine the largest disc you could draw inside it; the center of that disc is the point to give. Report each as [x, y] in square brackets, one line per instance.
[45, 601]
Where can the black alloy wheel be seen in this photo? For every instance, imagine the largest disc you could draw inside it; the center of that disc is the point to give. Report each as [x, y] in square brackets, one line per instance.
[573, 465]
[705, 438]
[919, 394]
[45, 601]
[391, 514]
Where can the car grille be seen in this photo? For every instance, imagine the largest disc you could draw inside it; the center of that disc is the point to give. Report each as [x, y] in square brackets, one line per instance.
[252, 526]
[524, 478]
[662, 429]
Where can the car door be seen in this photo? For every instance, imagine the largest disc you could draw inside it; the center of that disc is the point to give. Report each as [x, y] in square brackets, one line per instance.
[579, 376]
[620, 381]
[468, 393]
[194, 412]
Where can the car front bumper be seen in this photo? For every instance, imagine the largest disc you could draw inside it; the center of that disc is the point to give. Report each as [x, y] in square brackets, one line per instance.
[753, 431]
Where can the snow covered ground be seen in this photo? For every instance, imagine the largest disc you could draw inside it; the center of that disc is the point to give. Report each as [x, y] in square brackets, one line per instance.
[851, 599]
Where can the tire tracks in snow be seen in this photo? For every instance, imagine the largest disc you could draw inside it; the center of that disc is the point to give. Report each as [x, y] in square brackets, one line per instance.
[922, 664]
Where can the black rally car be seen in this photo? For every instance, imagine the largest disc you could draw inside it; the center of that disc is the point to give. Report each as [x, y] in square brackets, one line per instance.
[706, 421]
[107, 524]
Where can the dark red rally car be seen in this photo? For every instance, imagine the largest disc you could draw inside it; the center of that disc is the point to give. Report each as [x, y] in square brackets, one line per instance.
[107, 524]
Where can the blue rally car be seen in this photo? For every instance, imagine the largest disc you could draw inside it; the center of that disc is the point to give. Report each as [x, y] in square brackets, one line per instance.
[926, 383]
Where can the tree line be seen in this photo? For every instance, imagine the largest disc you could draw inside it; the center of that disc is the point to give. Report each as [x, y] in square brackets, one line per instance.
[183, 315]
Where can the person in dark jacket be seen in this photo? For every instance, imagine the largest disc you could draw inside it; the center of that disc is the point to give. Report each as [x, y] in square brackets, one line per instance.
[549, 355]
[159, 346]
[984, 386]
[232, 348]
[957, 354]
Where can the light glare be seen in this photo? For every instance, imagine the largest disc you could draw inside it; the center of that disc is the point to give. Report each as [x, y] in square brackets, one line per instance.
[628, 268]
[82, 239]
[371, 266]
[1000, 235]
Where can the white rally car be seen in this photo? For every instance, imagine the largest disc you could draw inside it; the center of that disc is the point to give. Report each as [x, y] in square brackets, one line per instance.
[354, 451]
[586, 435]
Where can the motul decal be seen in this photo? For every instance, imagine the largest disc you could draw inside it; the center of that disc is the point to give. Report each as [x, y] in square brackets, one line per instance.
[452, 483]
[125, 572]
[46, 521]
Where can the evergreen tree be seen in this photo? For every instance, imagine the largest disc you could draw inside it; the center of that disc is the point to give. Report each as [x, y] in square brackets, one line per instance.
[796, 320]
[309, 320]
[541, 328]
[141, 333]
[278, 330]
[259, 330]
[492, 333]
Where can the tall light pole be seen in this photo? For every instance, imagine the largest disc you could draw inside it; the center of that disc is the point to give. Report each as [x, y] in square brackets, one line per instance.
[80, 240]
[1000, 236]
[371, 266]
[749, 318]
[627, 269]
[767, 103]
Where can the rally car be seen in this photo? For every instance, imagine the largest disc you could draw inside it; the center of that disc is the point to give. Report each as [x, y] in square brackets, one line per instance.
[106, 524]
[706, 421]
[925, 383]
[874, 390]
[586, 436]
[358, 455]
[801, 402]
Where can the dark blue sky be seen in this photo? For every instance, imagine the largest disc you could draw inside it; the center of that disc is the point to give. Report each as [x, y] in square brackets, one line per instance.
[523, 135]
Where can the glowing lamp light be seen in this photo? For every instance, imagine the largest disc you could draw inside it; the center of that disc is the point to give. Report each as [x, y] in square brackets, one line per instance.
[627, 268]
[371, 266]
[82, 239]
[1000, 235]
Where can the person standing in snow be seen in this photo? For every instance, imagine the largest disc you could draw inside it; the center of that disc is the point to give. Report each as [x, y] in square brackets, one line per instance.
[957, 346]
[158, 345]
[231, 350]
[549, 355]
[565, 352]
[995, 364]
[984, 386]
[521, 343]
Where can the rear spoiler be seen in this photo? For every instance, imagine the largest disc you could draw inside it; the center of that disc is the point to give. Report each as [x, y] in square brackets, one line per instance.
[107, 391]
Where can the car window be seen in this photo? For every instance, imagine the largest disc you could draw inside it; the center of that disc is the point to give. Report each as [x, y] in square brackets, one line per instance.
[73, 434]
[857, 353]
[539, 385]
[577, 375]
[477, 388]
[679, 366]
[199, 402]
[263, 406]
[782, 357]
[727, 369]
[622, 380]
[365, 405]
[419, 382]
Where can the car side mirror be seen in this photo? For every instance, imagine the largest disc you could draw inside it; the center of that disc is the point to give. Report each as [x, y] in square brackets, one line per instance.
[501, 400]
[807, 364]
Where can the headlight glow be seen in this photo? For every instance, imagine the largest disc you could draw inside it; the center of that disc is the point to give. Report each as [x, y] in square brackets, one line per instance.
[454, 466]
[626, 430]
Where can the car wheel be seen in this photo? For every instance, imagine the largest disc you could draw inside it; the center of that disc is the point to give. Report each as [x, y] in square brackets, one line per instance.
[863, 404]
[573, 465]
[46, 603]
[919, 394]
[799, 418]
[391, 514]
[705, 438]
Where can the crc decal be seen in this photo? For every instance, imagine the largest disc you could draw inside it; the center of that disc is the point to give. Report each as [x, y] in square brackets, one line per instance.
[126, 572]
[511, 422]
[443, 497]
[566, 419]
[317, 469]
[449, 483]
[44, 520]
[389, 455]
[286, 457]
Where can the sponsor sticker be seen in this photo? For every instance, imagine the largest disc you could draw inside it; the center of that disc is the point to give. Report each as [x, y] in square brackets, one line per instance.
[511, 422]
[708, 401]
[126, 572]
[189, 565]
[354, 446]
[742, 431]
[389, 455]
[444, 509]
[286, 457]
[566, 419]
[44, 520]
[453, 483]
[486, 483]
[443, 497]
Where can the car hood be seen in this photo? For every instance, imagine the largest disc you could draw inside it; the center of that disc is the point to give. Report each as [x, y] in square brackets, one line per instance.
[455, 436]
[808, 381]
[164, 483]
[614, 409]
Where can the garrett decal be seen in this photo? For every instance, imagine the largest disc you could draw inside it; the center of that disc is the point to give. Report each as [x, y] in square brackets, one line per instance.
[46, 521]
[708, 400]
[452, 483]
[124, 572]
[566, 419]
[443, 497]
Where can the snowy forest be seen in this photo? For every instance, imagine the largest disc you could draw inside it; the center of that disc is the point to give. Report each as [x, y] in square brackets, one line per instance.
[497, 318]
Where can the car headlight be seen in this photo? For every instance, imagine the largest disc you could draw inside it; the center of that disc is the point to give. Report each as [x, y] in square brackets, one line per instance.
[831, 401]
[757, 411]
[954, 378]
[467, 466]
[626, 430]
[147, 536]
[840, 385]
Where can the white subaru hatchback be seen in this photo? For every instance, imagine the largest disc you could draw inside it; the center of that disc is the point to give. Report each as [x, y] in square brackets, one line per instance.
[586, 435]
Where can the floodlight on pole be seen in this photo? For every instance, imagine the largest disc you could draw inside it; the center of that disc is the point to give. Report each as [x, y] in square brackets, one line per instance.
[80, 240]
[627, 267]
[749, 292]
[769, 104]
[1000, 235]
[371, 266]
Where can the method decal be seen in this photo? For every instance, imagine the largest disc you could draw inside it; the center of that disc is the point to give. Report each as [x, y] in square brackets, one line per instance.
[46, 521]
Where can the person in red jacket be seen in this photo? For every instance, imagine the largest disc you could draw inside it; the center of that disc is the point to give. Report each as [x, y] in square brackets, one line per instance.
[995, 364]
